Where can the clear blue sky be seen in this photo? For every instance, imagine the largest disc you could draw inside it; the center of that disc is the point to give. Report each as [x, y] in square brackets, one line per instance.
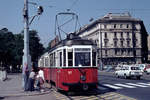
[11, 13]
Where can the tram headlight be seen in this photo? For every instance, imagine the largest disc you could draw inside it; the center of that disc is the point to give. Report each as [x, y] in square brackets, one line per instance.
[83, 78]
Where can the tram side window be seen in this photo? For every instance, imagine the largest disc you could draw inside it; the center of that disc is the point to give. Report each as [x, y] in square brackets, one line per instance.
[70, 59]
[60, 58]
[54, 60]
[94, 58]
[46, 62]
[64, 51]
[50, 60]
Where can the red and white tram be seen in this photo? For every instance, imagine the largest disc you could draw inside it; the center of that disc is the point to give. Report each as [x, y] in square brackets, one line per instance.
[71, 64]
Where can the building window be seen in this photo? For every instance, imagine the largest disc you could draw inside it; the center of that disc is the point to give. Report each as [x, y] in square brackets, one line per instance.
[114, 25]
[115, 43]
[105, 43]
[128, 43]
[115, 34]
[106, 52]
[128, 52]
[127, 25]
[105, 35]
[105, 26]
[115, 52]
[121, 43]
[121, 25]
[122, 51]
[127, 34]
[121, 34]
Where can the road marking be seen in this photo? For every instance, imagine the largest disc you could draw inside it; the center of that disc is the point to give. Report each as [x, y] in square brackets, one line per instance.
[136, 85]
[112, 86]
[127, 86]
[144, 84]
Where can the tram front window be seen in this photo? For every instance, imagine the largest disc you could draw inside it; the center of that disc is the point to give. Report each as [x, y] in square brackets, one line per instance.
[82, 59]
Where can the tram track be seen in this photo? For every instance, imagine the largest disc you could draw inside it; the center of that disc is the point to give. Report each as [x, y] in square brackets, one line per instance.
[95, 94]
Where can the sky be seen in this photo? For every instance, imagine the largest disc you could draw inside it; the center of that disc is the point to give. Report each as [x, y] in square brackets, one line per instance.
[11, 12]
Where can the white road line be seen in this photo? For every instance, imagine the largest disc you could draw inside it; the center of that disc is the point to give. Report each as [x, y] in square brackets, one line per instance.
[123, 85]
[147, 84]
[136, 85]
[112, 86]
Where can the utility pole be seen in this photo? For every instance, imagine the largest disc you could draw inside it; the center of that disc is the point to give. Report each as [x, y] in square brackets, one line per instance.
[26, 57]
[100, 47]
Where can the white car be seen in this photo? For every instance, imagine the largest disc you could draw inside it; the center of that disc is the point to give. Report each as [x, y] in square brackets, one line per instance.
[128, 71]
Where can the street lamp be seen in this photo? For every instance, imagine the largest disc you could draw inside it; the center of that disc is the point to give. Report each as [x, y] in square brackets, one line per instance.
[26, 57]
[100, 47]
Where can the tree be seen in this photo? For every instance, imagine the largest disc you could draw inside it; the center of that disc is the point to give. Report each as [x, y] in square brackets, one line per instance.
[36, 48]
[11, 47]
[18, 50]
[6, 47]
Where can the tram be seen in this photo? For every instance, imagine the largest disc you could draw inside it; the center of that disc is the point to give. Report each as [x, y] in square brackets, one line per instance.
[71, 64]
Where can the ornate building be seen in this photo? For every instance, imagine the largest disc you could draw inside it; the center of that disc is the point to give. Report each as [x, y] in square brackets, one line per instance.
[148, 40]
[120, 38]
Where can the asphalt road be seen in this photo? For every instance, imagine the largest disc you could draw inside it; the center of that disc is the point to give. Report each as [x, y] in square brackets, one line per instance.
[138, 89]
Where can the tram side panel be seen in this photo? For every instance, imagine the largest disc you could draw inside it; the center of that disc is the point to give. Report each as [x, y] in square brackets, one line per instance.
[47, 74]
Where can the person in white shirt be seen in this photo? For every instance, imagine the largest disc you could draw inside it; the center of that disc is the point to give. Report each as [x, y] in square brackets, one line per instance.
[40, 79]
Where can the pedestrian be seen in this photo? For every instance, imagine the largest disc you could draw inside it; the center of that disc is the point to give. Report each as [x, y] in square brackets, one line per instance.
[31, 80]
[40, 80]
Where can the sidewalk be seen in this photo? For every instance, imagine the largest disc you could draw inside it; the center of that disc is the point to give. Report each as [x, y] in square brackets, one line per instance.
[12, 87]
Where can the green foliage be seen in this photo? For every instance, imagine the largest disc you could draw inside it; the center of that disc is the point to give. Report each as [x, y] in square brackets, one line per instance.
[11, 47]
[36, 48]
[6, 47]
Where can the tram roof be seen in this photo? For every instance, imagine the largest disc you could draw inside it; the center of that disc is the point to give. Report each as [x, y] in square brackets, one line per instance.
[72, 41]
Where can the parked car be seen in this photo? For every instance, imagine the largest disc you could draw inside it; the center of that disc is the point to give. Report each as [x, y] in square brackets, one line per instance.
[128, 71]
[147, 69]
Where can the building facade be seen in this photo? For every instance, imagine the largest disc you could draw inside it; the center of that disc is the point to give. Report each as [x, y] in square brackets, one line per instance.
[120, 39]
[148, 40]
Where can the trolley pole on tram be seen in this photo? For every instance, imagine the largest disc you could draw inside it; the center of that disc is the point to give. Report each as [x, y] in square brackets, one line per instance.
[26, 66]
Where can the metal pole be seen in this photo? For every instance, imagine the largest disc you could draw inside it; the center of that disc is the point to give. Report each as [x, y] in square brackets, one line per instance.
[26, 57]
[100, 46]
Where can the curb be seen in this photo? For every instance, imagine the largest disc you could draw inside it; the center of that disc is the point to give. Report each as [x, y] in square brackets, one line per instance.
[25, 94]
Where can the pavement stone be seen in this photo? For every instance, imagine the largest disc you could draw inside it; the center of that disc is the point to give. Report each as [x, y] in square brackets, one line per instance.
[12, 88]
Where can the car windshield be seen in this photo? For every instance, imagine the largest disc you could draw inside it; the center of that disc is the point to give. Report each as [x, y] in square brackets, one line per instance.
[135, 68]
